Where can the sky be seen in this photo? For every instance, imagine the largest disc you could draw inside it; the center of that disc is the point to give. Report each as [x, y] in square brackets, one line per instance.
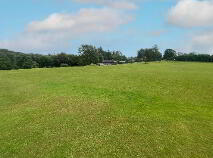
[54, 26]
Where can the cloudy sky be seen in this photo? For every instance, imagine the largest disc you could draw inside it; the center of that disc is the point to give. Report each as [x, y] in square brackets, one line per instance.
[51, 26]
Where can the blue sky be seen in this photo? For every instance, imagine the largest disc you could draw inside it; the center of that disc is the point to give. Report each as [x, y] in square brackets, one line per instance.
[53, 26]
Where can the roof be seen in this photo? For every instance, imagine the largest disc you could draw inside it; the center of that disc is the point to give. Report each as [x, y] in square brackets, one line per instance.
[109, 61]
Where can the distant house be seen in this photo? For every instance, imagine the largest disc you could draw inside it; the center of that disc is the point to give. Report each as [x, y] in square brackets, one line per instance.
[109, 62]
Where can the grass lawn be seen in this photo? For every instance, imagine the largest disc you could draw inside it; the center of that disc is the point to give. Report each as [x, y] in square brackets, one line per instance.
[137, 110]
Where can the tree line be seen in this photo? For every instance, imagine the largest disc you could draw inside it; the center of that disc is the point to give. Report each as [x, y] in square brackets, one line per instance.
[88, 54]
[153, 54]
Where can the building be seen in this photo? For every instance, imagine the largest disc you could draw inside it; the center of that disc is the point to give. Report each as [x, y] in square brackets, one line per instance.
[109, 62]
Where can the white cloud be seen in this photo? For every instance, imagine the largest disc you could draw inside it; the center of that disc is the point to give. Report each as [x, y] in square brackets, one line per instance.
[192, 13]
[202, 42]
[117, 4]
[86, 20]
[60, 28]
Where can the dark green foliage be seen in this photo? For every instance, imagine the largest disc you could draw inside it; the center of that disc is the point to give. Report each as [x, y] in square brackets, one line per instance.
[169, 54]
[194, 57]
[59, 59]
[24, 61]
[149, 54]
[35, 64]
[102, 54]
[88, 54]
[110, 55]
[10, 60]
[73, 60]
[107, 55]
[118, 56]
[5, 62]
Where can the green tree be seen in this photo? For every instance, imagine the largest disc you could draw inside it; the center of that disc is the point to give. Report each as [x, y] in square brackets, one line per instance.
[149, 54]
[118, 56]
[89, 54]
[169, 54]
[5, 62]
[24, 61]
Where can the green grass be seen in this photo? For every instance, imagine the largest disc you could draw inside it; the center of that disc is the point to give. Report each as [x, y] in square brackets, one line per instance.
[135, 110]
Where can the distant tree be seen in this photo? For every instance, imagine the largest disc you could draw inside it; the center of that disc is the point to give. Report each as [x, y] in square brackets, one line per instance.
[89, 55]
[5, 62]
[101, 54]
[35, 64]
[63, 58]
[169, 54]
[107, 55]
[204, 57]
[194, 57]
[73, 60]
[149, 54]
[118, 56]
[45, 61]
[24, 61]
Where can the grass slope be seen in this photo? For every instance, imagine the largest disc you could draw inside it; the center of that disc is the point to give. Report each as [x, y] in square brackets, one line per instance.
[136, 110]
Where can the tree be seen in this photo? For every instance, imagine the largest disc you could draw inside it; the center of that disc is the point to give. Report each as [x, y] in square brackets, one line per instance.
[169, 54]
[107, 55]
[5, 62]
[89, 54]
[118, 56]
[101, 54]
[73, 60]
[194, 57]
[45, 61]
[149, 54]
[24, 61]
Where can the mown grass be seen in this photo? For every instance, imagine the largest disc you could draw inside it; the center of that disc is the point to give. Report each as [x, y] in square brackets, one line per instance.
[135, 110]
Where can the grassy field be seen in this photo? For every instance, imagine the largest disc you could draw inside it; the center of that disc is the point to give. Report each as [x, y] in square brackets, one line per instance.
[136, 110]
